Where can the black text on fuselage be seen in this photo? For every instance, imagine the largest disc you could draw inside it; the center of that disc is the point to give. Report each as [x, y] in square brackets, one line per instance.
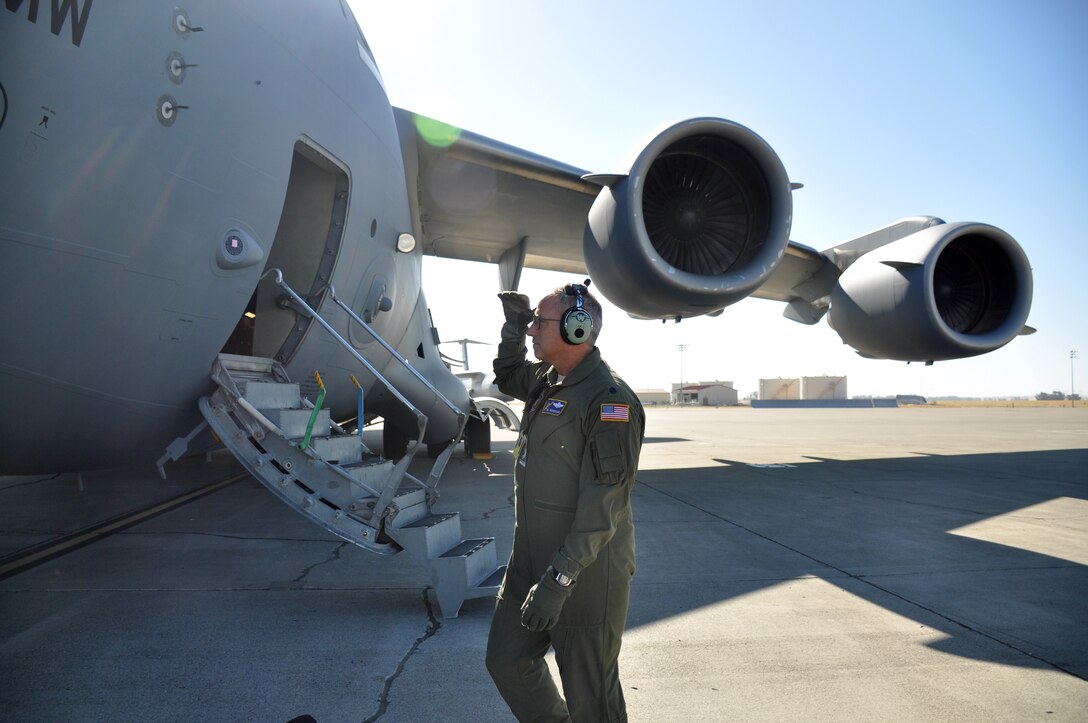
[59, 11]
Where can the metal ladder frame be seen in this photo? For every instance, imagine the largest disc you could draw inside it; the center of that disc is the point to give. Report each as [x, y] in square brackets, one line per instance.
[400, 469]
[386, 521]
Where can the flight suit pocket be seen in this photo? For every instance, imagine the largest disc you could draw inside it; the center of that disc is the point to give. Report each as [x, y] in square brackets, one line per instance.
[609, 461]
[552, 507]
[547, 427]
[556, 441]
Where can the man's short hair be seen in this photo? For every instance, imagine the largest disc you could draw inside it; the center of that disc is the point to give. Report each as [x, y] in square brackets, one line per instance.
[589, 303]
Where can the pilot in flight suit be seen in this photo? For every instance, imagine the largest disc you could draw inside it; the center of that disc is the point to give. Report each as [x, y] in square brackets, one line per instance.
[569, 575]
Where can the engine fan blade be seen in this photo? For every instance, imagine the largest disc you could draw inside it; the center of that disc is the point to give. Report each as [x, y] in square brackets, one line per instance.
[960, 289]
[695, 214]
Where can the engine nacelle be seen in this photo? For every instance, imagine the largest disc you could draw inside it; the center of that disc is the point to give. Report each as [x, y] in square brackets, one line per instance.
[701, 220]
[947, 292]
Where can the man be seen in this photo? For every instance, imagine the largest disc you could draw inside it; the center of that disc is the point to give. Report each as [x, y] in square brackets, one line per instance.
[569, 576]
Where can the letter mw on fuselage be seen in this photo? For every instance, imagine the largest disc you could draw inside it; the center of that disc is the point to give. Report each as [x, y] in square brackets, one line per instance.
[60, 10]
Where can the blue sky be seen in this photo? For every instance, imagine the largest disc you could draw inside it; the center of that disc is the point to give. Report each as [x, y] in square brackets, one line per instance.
[971, 111]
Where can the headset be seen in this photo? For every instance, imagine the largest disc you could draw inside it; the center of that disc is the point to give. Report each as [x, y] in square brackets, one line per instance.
[576, 324]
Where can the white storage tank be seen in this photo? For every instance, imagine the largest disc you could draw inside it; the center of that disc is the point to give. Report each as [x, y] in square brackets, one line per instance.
[779, 388]
[824, 387]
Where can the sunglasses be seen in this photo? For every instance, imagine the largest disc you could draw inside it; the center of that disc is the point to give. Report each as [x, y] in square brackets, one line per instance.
[537, 319]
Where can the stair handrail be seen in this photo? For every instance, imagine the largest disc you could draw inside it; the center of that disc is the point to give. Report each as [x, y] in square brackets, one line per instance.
[344, 343]
[461, 416]
[401, 467]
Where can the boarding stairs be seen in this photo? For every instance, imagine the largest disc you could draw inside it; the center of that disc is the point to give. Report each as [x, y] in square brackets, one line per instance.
[332, 478]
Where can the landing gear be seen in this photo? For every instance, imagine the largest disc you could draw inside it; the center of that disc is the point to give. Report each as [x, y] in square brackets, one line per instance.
[477, 440]
[477, 436]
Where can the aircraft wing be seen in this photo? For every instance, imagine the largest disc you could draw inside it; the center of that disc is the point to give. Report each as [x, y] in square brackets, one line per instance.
[480, 199]
[700, 221]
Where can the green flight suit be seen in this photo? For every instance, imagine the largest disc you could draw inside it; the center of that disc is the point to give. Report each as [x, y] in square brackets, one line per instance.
[574, 468]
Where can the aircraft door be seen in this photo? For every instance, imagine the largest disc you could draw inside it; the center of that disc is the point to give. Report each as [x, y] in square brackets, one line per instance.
[307, 245]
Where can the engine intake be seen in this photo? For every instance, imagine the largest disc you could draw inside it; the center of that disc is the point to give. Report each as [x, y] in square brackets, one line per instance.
[947, 292]
[701, 220]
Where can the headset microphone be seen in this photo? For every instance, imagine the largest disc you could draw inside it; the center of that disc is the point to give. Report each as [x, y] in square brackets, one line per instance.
[576, 324]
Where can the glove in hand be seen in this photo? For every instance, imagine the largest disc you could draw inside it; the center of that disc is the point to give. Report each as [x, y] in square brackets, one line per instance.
[542, 605]
[517, 309]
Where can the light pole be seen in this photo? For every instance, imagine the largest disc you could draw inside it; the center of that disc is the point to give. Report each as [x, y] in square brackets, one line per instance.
[681, 348]
[1072, 388]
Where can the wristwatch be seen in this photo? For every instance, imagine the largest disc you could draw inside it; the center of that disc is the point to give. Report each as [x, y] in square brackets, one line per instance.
[562, 579]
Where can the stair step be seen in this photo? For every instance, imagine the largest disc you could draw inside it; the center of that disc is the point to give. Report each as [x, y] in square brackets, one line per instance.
[410, 503]
[314, 482]
[293, 421]
[428, 537]
[270, 395]
[475, 556]
[411, 506]
[490, 585]
[318, 491]
[458, 573]
[370, 471]
[342, 450]
[249, 367]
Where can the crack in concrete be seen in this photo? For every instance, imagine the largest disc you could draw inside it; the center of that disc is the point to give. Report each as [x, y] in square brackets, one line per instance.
[493, 510]
[335, 556]
[28, 483]
[432, 627]
[225, 536]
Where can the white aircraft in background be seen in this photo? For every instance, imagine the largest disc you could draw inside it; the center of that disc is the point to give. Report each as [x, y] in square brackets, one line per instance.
[479, 383]
[218, 187]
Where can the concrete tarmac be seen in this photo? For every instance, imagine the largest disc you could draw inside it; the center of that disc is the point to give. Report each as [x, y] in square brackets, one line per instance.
[831, 565]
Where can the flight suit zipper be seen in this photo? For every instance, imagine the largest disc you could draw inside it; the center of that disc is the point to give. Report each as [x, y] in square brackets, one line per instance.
[534, 405]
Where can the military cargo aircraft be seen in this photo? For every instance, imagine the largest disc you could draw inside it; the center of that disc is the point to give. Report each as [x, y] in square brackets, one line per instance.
[223, 189]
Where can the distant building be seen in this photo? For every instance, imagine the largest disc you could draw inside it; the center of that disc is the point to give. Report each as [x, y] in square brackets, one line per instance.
[806, 388]
[824, 387]
[777, 389]
[650, 397]
[705, 394]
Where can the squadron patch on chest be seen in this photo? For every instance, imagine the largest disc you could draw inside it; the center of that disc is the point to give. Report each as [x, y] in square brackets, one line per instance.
[554, 407]
[615, 412]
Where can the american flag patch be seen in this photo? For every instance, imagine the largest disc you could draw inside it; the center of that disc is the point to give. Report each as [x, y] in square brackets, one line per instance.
[615, 412]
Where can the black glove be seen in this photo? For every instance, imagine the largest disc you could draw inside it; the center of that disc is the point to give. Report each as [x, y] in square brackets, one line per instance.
[518, 314]
[542, 605]
[516, 306]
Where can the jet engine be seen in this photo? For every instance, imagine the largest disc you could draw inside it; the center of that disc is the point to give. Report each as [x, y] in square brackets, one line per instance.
[946, 292]
[701, 220]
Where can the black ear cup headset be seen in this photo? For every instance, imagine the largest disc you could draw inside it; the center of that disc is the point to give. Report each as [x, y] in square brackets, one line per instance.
[576, 324]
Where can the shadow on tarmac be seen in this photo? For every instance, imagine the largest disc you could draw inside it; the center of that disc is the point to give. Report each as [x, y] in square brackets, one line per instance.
[884, 530]
[981, 557]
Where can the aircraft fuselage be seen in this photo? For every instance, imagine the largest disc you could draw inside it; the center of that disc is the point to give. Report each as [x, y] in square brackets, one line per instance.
[157, 159]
